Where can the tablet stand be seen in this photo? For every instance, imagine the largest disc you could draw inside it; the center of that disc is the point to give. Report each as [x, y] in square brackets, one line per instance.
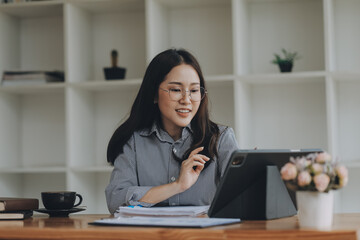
[266, 198]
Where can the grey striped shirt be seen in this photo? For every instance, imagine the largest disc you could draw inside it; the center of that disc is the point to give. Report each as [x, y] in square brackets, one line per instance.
[148, 161]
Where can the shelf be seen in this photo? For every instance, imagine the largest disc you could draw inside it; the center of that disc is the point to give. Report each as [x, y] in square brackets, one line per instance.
[114, 85]
[346, 37]
[291, 116]
[219, 78]
[348, 118]
[35, 89]
[34, 38]
[34, 170]
[93, 23]
[33, 9]
[215, 81]
[190, 24]
[96, 113]
[345, 76]
[175, 4]
[92, 169]
[109, 6]
[32, 129]
[284, 78]
[265, 27]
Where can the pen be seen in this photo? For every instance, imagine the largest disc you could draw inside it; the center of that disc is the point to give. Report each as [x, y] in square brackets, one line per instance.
[131, 206]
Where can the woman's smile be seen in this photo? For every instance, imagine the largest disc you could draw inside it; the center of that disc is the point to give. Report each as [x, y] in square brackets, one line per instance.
[183, 112]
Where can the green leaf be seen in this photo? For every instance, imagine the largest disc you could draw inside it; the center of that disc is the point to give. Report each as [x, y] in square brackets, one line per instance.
[288, 57]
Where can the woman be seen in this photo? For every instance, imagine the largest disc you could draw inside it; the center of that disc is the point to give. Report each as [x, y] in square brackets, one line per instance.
[168, 152]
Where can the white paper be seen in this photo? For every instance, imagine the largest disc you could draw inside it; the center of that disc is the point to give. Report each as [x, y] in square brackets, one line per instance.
[190, 211]
[167, 221]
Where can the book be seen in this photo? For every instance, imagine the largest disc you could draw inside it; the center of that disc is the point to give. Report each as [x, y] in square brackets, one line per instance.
[15, 78]
[8, 204]
[189, 211]
[11, 223]
[12, 215]
[189, 222]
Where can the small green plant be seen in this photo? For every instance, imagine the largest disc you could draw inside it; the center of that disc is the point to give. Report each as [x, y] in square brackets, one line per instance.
[286, 62]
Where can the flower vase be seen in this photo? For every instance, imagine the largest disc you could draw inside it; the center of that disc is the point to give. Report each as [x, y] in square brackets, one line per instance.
[315, 209]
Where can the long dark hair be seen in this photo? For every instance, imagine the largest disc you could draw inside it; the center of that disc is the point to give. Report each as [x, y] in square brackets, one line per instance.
[144, 112]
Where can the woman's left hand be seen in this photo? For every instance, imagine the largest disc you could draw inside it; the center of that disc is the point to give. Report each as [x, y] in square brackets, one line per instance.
[191, 169]
[189, 173]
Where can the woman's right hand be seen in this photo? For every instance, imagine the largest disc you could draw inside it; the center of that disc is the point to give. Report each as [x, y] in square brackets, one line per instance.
[191, 169]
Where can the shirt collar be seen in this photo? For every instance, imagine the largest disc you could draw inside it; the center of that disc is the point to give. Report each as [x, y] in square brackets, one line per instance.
[162, 135]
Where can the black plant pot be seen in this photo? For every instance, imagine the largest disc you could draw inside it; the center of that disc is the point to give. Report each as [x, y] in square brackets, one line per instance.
[285, 67]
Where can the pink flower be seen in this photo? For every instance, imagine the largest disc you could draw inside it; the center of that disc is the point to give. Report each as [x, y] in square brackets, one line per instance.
[342, 173]
[314, 172]
[288, 171]
[300, 162]
[317, 168]
[343, 182]
[323, 157]
[304, 178]
[321, 181]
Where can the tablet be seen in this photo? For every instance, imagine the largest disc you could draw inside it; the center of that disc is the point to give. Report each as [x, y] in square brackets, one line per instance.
[252, 188]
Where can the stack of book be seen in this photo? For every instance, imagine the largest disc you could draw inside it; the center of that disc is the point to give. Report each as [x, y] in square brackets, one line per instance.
[17, 208]
[16, 78]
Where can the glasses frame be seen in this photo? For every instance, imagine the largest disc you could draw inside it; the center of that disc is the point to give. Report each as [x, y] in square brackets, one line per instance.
[184, 94]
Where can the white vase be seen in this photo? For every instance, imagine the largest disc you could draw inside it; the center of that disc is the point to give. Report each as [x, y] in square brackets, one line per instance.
[315, 209]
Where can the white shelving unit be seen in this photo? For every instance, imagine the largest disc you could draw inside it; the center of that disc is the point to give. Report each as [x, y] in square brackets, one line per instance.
[54, 136]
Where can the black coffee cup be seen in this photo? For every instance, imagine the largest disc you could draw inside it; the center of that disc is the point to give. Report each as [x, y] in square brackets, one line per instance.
[60, 200]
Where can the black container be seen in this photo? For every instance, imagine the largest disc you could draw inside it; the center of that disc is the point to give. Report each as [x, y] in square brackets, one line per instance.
[60, 200]
[285, 67]
[114, 72]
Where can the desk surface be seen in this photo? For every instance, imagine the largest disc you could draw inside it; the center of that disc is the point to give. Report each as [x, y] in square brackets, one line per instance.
[345, 227]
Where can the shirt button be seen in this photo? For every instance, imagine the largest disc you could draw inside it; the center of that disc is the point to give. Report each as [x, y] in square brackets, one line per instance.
[173, 179]
[174, 150]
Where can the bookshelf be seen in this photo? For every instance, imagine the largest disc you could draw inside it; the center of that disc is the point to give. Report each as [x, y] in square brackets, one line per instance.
[54, 136]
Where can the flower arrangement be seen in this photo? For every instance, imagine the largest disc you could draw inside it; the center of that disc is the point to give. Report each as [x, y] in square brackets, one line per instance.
[314, 172]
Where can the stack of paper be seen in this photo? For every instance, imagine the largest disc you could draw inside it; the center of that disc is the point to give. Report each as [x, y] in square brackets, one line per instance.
[166, 221]
[188, 211]
[184, 216]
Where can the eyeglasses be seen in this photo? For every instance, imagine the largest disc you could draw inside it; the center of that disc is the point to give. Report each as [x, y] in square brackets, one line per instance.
[195, 94]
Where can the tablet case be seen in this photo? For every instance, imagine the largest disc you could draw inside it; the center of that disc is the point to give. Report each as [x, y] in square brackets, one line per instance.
[252, 188]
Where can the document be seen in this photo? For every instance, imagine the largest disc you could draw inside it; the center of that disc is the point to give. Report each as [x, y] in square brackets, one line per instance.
[188, 222]
[189, 211]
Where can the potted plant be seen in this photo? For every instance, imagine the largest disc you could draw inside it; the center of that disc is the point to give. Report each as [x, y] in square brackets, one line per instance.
[313, 177]
[287, 61]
